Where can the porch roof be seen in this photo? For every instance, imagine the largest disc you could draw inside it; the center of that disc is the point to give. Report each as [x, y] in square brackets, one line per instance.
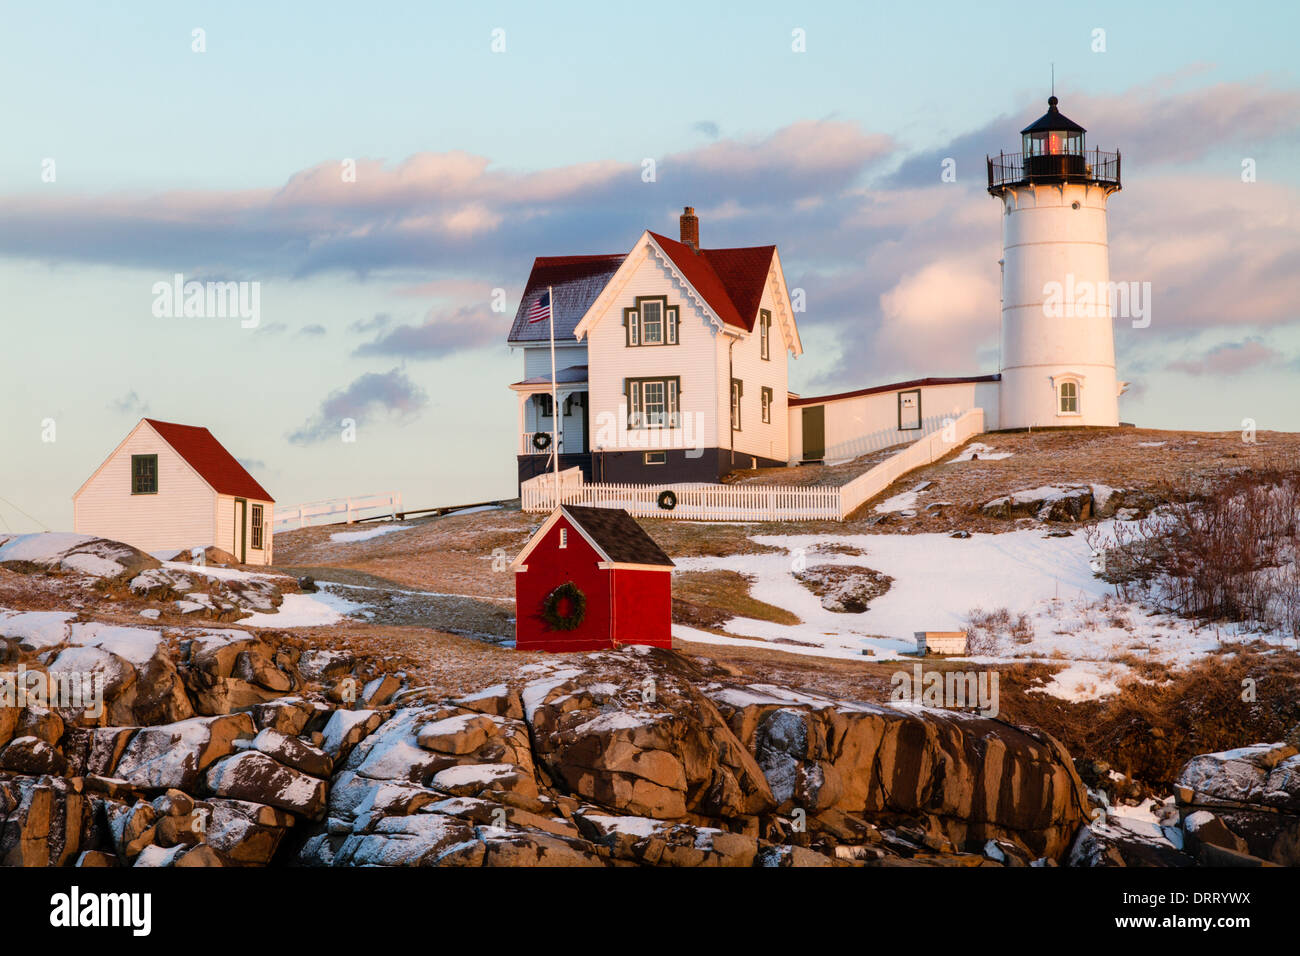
[572, 375]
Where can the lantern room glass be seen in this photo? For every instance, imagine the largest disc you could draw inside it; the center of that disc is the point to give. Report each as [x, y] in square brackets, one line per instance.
[1054, 143]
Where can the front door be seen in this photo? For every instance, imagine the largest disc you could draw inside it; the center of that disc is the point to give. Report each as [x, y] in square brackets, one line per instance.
[240, 549]
[814, 433]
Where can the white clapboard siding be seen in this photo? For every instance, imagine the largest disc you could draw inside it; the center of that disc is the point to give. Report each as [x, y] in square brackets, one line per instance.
[694, 359]
[761, 439]
[696, 502]
[181, 515]
[228, 512]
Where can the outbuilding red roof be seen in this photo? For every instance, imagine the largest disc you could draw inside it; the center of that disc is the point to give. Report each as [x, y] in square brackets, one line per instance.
[210, 459]
[730, 280]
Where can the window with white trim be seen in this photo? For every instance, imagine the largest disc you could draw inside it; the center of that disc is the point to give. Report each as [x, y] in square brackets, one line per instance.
[652, 321]
[1069, 398]
[767, 405]
[737, 390]
[257, 527]
[564, 537]
[765, 334]
[653, 402]
[655, 458]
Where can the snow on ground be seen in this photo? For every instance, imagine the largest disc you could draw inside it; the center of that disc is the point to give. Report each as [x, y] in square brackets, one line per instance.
[1085, 680]
[306, 610]
[903, 501]
[221, 574]
[36, 629]
[1152, 444]
[344, 537]
[939, 580]
[983, 452]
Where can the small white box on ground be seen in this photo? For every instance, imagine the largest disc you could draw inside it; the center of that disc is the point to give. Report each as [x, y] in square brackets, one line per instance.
[940, 642]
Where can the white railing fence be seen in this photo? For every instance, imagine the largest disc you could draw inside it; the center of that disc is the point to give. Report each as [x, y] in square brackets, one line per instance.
[923, 451]
[751, 502]
[350, 507]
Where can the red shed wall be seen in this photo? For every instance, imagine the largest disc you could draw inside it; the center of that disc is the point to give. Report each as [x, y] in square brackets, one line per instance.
[549, 566]
[643, 607]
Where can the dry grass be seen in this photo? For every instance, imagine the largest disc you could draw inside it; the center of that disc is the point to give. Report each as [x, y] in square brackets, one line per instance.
[1110, 456]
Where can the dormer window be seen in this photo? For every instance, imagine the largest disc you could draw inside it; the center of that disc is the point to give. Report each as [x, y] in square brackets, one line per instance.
[652, 321]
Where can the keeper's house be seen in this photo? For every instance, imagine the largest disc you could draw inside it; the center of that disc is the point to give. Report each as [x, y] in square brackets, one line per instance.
[171, 487]
[591, 579]
[670, 361]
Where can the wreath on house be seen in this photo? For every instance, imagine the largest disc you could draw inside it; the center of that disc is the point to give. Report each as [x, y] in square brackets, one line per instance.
[542, 441]
[565, 607]
[667, 500]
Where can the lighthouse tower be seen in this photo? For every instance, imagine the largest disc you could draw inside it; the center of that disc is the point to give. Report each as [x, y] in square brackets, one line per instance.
[1058, 349]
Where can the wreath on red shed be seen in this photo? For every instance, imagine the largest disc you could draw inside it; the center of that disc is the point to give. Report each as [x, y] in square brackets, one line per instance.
[565, 607]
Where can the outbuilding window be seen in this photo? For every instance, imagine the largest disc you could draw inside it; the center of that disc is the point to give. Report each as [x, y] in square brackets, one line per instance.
[257, 527]
[1069, 398]
[564, 537]
[144, 474]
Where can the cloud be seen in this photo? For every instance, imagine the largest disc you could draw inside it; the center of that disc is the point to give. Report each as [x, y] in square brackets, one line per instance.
[129, 404]
[315, 329]
[272, 328]
[252, 464]
[708, 128]
[374, 396]
[373, 324]
[899, 269]
[468, 327]
[1230, 358]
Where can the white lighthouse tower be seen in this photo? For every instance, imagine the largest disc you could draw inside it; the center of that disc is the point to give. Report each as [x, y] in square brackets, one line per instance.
[1058, 349]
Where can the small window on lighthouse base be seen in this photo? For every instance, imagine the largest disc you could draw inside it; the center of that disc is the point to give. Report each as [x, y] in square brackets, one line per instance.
[1069, 398]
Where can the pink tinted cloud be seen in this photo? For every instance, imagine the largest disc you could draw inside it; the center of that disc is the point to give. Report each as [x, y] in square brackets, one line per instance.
[1230, 358]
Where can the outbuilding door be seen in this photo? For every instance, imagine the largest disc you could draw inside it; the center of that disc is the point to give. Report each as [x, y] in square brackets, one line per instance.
[814, 433]
[241, 524]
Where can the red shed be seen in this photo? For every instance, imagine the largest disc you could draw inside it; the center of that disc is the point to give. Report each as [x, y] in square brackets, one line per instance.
[590, 579]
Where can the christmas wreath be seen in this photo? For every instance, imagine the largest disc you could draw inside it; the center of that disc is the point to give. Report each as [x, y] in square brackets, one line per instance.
[667, 500]
[565, 607]
[542, 441]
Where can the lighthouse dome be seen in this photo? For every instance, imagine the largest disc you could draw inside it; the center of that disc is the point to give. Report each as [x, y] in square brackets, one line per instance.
[1053, 134]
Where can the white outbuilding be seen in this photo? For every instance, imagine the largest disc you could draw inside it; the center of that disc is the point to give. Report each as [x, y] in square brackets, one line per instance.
[170, 487]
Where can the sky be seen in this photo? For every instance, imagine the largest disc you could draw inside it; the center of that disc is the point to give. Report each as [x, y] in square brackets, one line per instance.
[381, 170]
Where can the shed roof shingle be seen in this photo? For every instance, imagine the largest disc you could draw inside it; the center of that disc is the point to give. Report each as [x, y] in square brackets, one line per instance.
[619, 535]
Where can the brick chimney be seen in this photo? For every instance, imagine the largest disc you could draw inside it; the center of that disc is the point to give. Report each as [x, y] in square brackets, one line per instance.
[691, 228]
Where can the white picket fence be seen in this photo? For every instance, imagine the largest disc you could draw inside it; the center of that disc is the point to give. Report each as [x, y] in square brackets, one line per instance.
[350, 507]
[704, 502]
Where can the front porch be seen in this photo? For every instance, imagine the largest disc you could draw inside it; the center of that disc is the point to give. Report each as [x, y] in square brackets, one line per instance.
[541, 436]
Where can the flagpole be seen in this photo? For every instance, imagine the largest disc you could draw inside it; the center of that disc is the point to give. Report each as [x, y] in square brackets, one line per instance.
[555, 407]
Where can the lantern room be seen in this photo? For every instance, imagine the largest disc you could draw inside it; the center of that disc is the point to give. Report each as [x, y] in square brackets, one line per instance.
[1053, 145]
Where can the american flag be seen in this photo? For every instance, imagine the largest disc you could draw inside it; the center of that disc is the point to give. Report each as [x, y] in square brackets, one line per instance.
[541, 309]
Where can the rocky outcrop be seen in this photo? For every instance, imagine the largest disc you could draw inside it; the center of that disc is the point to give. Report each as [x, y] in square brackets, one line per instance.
[633, 757]
[1071, 503]
[1246, 801]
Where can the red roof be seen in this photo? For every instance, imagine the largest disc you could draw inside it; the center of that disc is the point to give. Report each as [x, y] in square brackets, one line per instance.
[210, 459]
[896, 387]
[730, 280]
